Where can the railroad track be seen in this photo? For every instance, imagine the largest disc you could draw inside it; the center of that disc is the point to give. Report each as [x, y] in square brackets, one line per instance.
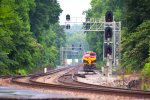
[6, 76]
[31, 79]
[68, 80]
[71, 81]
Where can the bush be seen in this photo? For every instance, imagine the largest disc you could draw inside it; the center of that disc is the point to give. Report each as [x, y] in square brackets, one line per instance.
[145, 87]
[146, 71]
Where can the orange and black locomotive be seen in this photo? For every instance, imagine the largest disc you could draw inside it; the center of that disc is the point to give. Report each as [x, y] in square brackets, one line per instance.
[89, 61]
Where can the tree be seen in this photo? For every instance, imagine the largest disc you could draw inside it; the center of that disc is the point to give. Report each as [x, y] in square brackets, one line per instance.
[44, 24]
[16, 42]
[6, 19]
[136, 12]
[135, 44]
[135, 52]
[27, 35]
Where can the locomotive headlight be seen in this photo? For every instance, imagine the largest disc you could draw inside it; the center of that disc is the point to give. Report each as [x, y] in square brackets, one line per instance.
[89, 61]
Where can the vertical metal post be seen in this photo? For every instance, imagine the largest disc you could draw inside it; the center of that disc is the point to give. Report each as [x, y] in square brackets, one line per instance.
[119, 39]
[62, 56]
[114, 43]
[104, 41]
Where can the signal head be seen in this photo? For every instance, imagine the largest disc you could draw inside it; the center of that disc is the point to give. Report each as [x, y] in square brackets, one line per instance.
[108, 49]
[68, 17]
[108, 32]
[109, 16]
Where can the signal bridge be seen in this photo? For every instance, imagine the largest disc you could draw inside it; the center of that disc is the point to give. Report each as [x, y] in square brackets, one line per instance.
[90, 24]
[111, 31]
[64, 51]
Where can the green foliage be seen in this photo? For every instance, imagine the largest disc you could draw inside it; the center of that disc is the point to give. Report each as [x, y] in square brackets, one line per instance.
[28, 36]
[136, 11]
[59, 40]
[42, 16]
[136, 46]
[7, 17]
[47, 32]
[95, 41]
[99, 8]
[146, 69]
[22, 38]
[145, 87]
[136, 36]
[22, 71]
[76, 39]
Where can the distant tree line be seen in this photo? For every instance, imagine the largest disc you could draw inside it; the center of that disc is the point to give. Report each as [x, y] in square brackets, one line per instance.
[30, 35]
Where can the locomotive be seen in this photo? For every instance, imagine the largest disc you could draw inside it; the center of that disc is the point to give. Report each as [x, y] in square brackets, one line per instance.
[89, 61]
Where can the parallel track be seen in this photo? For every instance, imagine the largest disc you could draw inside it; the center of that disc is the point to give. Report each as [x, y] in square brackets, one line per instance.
[68, 81]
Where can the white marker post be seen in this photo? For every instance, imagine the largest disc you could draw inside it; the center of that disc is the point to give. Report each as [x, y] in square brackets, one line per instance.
[45, 70]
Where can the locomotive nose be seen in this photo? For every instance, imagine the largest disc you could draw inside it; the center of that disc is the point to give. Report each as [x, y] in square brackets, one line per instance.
[89, 61]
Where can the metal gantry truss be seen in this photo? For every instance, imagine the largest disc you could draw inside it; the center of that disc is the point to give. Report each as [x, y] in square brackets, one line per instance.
[99, 24]
[65, 50]
[115, 42]
[95, 24]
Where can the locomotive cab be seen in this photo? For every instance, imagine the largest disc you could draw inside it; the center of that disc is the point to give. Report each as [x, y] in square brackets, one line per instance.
[89, 61]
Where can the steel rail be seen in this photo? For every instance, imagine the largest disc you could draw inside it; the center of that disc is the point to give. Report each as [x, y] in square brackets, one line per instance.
[68, 81]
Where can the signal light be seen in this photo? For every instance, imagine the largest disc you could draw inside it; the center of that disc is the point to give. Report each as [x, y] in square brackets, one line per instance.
[68, 17]
[87, 19]
[87, 26]
[108, 50]
[108, 32]
[109, 16]
[72, 47]
[67, 26]
[80, 47]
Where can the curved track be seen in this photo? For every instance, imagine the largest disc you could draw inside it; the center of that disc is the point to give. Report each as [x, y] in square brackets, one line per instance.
[67, 78]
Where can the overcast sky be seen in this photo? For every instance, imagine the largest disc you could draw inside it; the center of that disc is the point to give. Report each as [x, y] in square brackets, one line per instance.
[73, 7]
